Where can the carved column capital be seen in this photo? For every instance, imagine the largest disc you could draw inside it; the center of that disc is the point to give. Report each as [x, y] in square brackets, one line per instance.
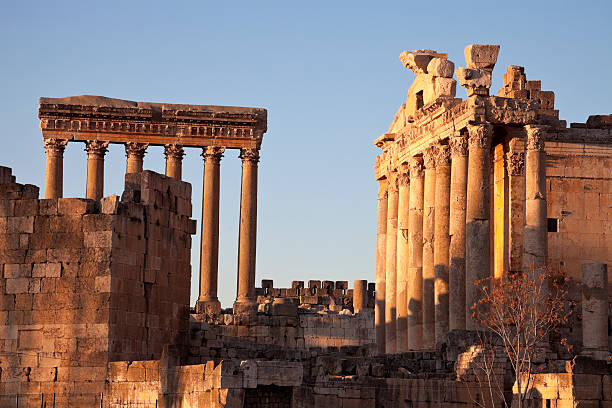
[515, 163]
[392, 179]
[416, 167]
[535, 137]
[249, 155]
[96, 147]
[403, 177]
[443, 155]
[55, 147]
[134, 149]
[382, 189]
[174, 151]
[458, 145]
[480, 134]
[429, 157]
[213, 153]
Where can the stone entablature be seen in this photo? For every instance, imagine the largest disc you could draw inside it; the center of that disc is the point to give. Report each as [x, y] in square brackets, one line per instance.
[87, 117]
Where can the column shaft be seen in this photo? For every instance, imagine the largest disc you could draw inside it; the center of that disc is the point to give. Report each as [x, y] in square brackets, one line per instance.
[96, 150]
[209, 252]
[442, 243]
[174, 160]
[403, 247]
[515, 164]
[429, 207]
[390, 267]
[135, 156]
[360, 295]
[248, 227]
[381, 244]
[595, 310]
[535, 235]
[54, 177]
[415, 269]
[477, 245]
[456, 255]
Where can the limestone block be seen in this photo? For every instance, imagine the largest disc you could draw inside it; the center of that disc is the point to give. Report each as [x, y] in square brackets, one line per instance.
[74, 206]
[17, 271]
[481, 56]
[416, 61]
[607, 387]
[26, 207]
[445, 87]
[474, 78]
[17, 285]
[441, 67]
[587, 386]
[47, 270]
[7, 208]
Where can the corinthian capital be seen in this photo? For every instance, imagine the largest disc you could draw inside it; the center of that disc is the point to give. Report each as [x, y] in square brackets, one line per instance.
[213, 153]
[535, 137]
[96, 147]
[403, 177]
[392, 185]
[416, 167]
[249, 155]
[443, 155]
[458, 145]
[480, 134]
[55, 147]
[515, 163]
[174, 151]
[382, 189]
[134, 149]
[429, 157]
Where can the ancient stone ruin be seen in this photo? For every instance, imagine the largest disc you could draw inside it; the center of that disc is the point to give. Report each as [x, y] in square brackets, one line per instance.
[95, 291]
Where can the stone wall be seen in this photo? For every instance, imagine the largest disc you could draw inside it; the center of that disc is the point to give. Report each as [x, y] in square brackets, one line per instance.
[82, 284]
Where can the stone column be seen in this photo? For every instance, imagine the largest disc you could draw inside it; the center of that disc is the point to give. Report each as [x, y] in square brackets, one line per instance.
[360, 295]
[535, 235]
[174, 160]
[456, 250]
[429, 207]
[415, 269]
[403, 248]
[96, 149]
[442, 242]
[135, 155]
[381, 244]
[595, 310]
[54, 177]
[248, 231]
[515, 165]
[390, 266]
[209, 251]
[478, 232]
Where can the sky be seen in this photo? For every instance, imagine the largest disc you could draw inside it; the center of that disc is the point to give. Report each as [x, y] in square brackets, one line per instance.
[329, 75]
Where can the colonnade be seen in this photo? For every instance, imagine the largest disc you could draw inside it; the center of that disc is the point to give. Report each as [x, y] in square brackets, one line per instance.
[209, 254]
[434, 233]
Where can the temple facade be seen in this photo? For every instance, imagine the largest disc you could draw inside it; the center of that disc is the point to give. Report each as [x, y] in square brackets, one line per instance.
[476, 188]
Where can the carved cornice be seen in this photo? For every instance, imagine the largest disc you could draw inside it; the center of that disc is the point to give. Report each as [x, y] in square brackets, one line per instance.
[416, 167]
[458, 145]
[81, 118]
[96, 147]
[133, 149]
[382, 189]
[442, 155]
[55, 147]
[515, 163]
[213, 153]
[535, 138]
[480, 135]
[429, 157]
[249, 155]
[174, 151]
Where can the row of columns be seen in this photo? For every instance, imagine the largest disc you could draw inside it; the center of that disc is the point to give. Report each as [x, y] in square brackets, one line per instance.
[433, 237]
[209, 255]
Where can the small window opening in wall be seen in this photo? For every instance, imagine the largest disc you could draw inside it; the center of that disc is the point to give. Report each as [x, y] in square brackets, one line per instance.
[419, 99]
[547, 403]
[553, 225]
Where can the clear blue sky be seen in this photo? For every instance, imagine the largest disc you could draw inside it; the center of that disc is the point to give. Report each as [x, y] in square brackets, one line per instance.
[328, 73]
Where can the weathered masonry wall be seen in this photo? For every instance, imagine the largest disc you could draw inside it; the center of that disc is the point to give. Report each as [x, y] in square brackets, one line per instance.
[82, 284]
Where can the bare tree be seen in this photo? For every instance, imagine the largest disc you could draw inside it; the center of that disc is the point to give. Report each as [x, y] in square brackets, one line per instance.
[518, 312]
